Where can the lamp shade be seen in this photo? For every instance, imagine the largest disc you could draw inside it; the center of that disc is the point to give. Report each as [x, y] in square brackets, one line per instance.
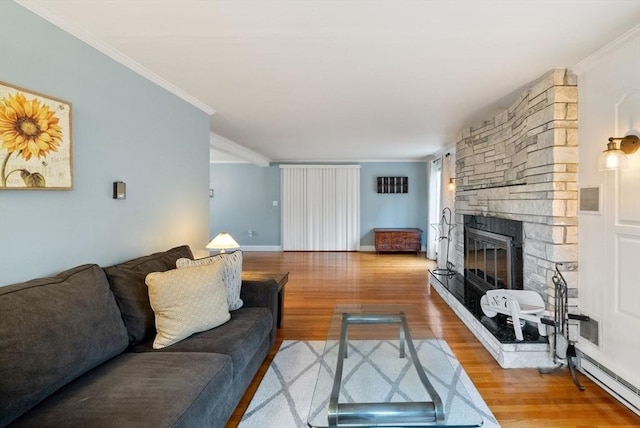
[612, 159]
[223, 241]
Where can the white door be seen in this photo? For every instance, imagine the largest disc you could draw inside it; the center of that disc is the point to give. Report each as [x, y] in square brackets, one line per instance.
[609, 238]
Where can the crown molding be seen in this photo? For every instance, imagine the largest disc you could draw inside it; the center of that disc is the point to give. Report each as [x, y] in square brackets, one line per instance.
[39, 9]
[346, 161]
[598, 55]
[443, 153]
[218, 142]
[314, 166]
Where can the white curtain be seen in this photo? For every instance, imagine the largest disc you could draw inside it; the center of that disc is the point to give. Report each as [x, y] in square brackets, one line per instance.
[320, 207]
[435, 186]
[448, 199]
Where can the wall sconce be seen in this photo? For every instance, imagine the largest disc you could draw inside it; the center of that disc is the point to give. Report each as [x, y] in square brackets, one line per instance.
[614, 158]
[223, 241]
[452, 184]
[119, 190]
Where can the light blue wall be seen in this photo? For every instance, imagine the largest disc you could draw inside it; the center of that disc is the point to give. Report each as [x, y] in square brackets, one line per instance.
[392, 209]
[244, 195]
[124, 128]
[243, 200]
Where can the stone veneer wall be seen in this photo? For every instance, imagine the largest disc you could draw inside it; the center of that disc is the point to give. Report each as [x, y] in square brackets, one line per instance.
[522, 165]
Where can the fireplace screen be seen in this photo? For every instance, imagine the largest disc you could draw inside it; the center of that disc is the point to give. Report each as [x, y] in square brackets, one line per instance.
[488, 258]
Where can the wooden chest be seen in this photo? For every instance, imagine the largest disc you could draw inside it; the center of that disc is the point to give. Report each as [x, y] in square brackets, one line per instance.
[400, 239]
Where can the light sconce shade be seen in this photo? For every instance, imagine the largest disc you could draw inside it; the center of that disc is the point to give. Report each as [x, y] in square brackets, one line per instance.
[452, 184]
[615, 158]
[223, 241]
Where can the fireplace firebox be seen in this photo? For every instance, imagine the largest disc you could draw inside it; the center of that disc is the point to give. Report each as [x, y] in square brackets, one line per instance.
[493, 252]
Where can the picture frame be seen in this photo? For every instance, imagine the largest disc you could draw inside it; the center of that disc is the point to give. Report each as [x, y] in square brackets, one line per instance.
[35, 140]
[392, 185]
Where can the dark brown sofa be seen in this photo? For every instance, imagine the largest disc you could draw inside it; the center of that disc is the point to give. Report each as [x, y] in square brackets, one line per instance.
[75, 351]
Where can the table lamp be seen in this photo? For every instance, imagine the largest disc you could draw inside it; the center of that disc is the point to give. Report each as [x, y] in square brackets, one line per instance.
[223, 241]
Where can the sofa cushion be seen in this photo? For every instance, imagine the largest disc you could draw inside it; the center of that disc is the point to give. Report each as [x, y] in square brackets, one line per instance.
[232, 275]
[241, 338]
[53, 330]
[127, 283]
[140, 390]
[187, 301]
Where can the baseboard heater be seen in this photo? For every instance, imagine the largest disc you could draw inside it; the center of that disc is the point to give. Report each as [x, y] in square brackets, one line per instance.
[622, 390]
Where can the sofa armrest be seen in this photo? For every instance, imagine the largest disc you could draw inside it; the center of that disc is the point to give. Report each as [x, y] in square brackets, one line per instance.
[262, 294]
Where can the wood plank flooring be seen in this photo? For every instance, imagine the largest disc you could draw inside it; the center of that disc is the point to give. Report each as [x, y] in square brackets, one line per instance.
[517, 397]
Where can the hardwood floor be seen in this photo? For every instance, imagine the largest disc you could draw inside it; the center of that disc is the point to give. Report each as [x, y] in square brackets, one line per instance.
[517, 397]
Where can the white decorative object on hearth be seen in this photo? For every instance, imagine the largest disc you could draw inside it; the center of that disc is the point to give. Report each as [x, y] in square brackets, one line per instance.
[518, 304]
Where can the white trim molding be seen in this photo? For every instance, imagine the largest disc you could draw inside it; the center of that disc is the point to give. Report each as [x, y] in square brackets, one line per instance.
[288, 166]
[276, 248]
[621, 389]
[589, 61]
[224, 145]
[41, 10]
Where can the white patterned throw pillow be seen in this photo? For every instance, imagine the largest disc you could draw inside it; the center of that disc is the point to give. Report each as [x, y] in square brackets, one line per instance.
[187, 301]
[232, 276]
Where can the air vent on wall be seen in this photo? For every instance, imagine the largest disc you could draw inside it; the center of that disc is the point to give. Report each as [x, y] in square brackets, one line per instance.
[589, 330]
[590, 200]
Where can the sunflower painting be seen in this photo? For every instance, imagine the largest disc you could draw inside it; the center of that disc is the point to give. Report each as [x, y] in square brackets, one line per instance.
[35, 141]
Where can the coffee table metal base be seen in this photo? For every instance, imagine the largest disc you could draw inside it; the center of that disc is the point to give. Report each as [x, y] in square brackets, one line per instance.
[372, 373]
[363, 414]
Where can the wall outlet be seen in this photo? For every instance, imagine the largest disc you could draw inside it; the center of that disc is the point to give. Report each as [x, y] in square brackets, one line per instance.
[250, 233]
[275, 203]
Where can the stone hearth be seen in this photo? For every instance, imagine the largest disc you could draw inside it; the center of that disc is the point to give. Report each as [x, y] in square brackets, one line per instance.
[498, 338]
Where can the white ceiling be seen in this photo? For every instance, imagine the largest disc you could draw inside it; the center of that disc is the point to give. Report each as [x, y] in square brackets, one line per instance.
[344, 80]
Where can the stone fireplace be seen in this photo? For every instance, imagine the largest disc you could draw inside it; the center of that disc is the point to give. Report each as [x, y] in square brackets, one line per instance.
[521, 165]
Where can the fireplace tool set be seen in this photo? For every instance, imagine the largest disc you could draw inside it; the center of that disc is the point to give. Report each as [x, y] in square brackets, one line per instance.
[444, 230]
[564, 347]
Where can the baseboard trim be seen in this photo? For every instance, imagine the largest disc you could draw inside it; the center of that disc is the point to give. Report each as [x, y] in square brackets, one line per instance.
[618, 387]
[261, 248]
[363, 248]
[372, 248]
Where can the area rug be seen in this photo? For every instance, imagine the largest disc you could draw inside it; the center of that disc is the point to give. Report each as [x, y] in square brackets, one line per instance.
[284, 396]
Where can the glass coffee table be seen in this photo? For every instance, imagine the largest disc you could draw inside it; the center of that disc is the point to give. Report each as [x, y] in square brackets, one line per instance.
[383, 367]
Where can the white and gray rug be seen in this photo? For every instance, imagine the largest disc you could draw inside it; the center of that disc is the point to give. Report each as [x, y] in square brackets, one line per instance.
[284, 396]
